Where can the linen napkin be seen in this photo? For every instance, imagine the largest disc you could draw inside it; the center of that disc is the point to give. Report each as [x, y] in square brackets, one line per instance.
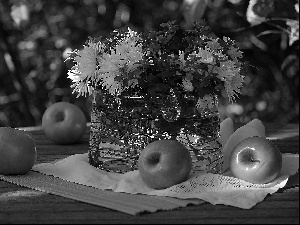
[213, 188]
[73, 177]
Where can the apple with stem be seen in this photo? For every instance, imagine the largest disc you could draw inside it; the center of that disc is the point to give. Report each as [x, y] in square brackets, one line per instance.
[256, 160]
[164, 163]
[64, 123]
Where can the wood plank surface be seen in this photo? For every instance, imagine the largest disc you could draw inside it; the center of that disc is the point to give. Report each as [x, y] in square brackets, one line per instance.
[23, 205]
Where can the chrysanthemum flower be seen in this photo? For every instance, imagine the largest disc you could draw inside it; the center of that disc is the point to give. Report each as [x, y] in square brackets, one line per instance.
[187, 85]
[207, 102]
[115, 66]
[181, 59]
[227, 70]
[159, 63]
[84, 72]
[233, 86]
[204, 56]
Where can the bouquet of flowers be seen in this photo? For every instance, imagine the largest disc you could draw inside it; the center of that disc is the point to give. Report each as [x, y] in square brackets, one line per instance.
[194, 62]
[160, 85]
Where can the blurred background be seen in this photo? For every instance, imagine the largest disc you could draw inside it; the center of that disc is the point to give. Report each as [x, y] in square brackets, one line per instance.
[36, 36]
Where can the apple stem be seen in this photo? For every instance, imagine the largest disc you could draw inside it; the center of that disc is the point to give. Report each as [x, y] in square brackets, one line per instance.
[255, 160]
[154, 159]
[60, 116]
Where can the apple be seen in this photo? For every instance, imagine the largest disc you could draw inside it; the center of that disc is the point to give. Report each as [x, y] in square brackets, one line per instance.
[252, 129]
[164, 163]
[64, 123]
[17, 151]
[256, 160]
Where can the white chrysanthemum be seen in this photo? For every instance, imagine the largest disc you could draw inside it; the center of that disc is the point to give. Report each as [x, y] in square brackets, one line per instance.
[187, 85]
[233, 51]
[182, 59]
[82, 88]
[207, 102]
[205, 55]
[227, 70]
[229, 73]
[122, 59]
[85, 69]
[114, 87]
[233, 86]
[214, 45]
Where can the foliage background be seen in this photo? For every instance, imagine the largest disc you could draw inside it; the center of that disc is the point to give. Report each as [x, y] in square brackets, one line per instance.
[33, 71]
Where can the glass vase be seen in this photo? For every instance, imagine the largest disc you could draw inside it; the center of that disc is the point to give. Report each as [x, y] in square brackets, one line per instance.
[121, 127]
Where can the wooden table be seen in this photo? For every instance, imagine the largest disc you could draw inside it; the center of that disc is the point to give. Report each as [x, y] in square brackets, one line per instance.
[23, 205]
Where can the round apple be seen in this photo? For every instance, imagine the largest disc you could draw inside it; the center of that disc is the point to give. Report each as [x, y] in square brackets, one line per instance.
[256, 160]
[64, 123]
[164, 163]
[17, 151]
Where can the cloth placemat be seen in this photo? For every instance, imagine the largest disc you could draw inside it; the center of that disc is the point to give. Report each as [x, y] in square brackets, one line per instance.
[213, 188]
[73, 177]
[126, 203]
